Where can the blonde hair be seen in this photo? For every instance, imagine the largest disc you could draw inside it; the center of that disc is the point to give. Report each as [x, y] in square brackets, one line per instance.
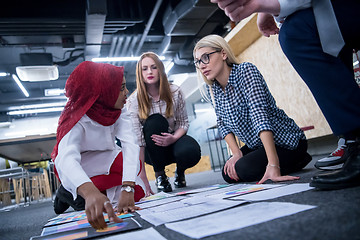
[217, 43]
[164, 87]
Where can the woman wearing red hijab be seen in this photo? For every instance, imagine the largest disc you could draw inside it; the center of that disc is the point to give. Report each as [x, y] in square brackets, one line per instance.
[88, 162]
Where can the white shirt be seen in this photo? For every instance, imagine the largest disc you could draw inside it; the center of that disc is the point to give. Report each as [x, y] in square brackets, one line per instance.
[89, 149]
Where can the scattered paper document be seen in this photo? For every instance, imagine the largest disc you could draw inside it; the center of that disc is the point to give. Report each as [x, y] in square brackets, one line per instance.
[239, 217]
[274, 192]
[204, 189]
[89, 232]
[177, 214]
[147, 234]
[243, 189]
[159, 202]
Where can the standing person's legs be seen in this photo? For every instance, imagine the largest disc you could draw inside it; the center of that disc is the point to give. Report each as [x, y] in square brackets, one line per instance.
[157, 156]
[251, 167]
[187, 153]
[331, 81]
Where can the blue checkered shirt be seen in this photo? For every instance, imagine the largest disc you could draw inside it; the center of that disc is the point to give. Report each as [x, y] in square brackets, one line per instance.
[246, 108]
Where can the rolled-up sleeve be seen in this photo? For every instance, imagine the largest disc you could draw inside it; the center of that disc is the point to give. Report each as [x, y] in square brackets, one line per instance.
[130, 147]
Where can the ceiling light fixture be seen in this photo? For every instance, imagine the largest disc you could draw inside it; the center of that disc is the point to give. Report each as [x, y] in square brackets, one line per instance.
[37, 73]
[53, 92]
[16, 79]
[36, 106]
[3, 74]
[30, 111]
[119, 59]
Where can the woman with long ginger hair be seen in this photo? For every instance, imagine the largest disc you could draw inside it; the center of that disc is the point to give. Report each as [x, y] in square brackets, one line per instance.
[158, 111]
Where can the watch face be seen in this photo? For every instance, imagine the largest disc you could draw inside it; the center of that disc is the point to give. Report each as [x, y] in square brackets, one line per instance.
[127, 189]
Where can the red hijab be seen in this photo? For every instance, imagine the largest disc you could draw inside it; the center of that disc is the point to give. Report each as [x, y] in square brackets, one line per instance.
[91, 89]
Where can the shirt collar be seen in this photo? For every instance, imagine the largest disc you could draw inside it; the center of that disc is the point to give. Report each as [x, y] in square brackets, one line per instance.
[233, 78]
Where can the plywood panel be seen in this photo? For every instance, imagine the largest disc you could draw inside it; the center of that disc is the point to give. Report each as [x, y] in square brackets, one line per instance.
[288, 89]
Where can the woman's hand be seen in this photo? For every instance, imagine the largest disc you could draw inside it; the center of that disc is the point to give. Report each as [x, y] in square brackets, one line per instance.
[273, 173]
[126, 203]
[229, 167]
[164, 140]
[96, 204]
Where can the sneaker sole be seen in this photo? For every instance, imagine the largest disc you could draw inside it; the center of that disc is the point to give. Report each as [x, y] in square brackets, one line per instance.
[331, 168]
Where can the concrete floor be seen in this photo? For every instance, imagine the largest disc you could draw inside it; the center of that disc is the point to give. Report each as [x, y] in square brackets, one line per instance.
[337, 215]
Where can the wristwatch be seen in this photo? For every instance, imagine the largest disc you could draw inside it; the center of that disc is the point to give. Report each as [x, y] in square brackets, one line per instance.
[127, 189]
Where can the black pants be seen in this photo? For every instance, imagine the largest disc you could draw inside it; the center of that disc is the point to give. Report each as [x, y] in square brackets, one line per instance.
[185, 152]
[252, 166]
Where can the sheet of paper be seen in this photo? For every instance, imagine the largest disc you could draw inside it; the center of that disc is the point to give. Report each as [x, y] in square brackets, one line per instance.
[163, 208]
[146, 234]
[177, 214]
[78, 216]
[274, 192]
[159, 202]
[244, 189]
[72, 225]
[89, 232]
[156, 196]
[204, 189]
[239, 217]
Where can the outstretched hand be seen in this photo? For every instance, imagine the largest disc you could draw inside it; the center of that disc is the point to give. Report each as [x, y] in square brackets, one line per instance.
[273, 173]
[95, 205]
[126, 203]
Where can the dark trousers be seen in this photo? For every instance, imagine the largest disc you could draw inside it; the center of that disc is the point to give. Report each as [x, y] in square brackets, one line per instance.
[330, 79]
[252, 166]
[185, 152]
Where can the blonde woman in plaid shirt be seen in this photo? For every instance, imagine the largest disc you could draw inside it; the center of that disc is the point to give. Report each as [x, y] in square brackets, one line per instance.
[158, 111]
[274, 145]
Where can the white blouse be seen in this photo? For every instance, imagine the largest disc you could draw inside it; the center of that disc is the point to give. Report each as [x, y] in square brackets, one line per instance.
[89, 149]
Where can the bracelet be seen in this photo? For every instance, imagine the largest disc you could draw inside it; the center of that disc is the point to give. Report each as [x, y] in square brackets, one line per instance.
[273, 165]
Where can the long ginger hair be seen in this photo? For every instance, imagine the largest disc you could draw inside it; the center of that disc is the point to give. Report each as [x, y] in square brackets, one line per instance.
[164, 88]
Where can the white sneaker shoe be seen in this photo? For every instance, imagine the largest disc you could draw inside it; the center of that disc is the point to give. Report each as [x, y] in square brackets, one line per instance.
[335, 158]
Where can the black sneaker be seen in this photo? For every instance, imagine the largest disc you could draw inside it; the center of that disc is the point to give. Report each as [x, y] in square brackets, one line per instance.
[163, 184]
[179, 180]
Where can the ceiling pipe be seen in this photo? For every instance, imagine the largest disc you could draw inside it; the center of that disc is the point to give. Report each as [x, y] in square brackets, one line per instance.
[148, 26]
[95, 21]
